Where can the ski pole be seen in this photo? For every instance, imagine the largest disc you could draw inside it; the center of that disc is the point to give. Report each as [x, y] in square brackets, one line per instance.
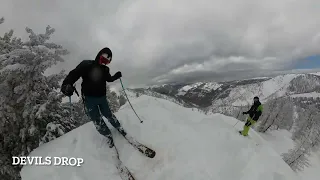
[236, 123]
[129, 101]
[75, 89]
[70, 108]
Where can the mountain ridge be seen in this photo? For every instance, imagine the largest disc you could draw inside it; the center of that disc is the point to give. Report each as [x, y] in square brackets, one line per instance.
[205, 94]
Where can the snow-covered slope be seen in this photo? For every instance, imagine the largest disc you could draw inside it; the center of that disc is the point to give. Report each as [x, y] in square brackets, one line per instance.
[189, 145]
[308, 95]
[206, 87]
[316, 73]
[281, 141]
[213, 95]
[162, 96]
[275, 87]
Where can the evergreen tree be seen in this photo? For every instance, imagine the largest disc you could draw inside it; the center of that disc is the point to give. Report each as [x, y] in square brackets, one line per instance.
[297, 158]
[277, 114]
[122, 100]
[30, 104]
[79, 112]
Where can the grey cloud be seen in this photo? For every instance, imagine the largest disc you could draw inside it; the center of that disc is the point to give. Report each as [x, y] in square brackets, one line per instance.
[157, 40]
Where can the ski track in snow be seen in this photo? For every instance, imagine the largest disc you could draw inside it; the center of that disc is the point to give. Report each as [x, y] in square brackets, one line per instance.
[189, 146]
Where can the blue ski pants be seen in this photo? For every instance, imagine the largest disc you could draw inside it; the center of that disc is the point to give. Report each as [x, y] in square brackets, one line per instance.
[95, 106]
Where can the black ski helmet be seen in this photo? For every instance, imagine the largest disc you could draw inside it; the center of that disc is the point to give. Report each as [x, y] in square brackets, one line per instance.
[105, 50]
[256, 98]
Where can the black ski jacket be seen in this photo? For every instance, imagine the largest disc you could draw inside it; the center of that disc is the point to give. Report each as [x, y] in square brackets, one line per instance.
[94, 77]
[255, 111]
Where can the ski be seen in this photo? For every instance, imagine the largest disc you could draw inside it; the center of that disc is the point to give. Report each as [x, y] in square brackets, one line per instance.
[125, 174]
[140, 147]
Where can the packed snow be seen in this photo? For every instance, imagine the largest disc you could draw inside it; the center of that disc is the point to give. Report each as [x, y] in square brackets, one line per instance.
[189, 145]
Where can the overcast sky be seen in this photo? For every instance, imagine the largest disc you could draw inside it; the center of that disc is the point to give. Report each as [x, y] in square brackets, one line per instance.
[176, 40]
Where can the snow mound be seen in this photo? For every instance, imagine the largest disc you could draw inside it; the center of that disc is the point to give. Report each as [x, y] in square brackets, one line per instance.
[189, 146]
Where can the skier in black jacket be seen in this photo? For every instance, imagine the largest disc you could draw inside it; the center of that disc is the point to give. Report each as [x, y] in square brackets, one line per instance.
[95, 74]
[254, 113]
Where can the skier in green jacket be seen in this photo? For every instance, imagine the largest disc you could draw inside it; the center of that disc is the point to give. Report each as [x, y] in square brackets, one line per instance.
[254, 113]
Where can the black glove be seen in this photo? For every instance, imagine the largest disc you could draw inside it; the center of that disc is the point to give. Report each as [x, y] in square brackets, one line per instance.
[244, 113]
[117, 75]
[67, 89]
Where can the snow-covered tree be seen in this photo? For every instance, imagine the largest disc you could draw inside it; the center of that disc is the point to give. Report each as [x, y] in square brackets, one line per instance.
[285, 118]
[305, 83]
[268, 110]
[7, 171]
[307, 138]
[8, 42]
[79, 113]
[303, 124]
[277, 114]
[30, 104]
[113, 100]
[53, 131]
[122, 100]
[297, 158]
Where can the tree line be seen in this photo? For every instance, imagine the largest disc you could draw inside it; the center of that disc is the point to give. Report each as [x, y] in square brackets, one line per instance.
[31, 108]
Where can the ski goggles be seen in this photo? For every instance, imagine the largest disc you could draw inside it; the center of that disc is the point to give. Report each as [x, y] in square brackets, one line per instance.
[105, 59]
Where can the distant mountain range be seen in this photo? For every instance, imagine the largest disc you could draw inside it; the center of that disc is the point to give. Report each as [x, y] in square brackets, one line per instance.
[233, 97]
[241, 92]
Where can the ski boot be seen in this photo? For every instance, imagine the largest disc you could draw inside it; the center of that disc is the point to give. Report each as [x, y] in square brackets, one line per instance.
[240, 132]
